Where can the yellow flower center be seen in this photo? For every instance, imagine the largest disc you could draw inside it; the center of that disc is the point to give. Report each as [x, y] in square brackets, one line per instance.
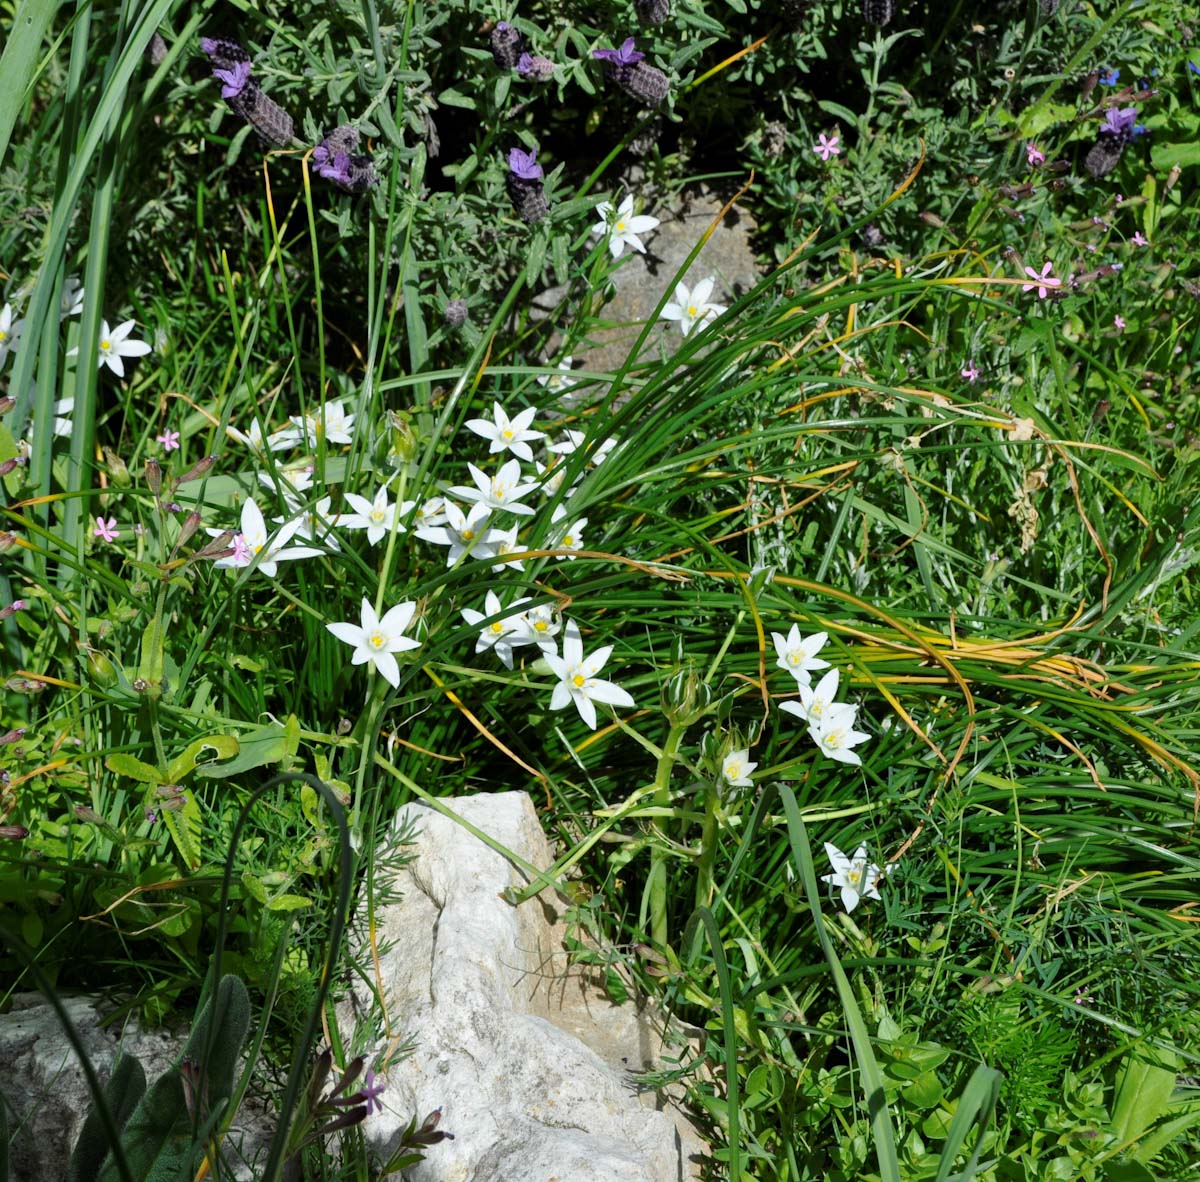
[621, 226]
[693, 310]
[377, 515]
[377, 640]
[507, 433]
[854, 875]
[468, 535]
[539, 625]
[105, 345]
[498, 627]
[579, 681]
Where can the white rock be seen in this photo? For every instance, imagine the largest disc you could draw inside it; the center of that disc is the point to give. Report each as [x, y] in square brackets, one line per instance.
[501, 1026]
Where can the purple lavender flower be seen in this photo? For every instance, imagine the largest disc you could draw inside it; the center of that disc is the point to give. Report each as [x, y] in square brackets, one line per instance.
[537, 68]
[1120, 120]
[372, 1091]
[334, 159]
[625, 56]
[222, 53]
[235, 79]
[524, 165]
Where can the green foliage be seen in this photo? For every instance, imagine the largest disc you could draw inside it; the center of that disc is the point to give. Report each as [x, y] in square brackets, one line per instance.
[1004, 564]
[168, 1128]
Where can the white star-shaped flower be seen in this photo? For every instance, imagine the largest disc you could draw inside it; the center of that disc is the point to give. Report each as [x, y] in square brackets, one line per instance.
[567, 536]
[798, 654]
[10, 333]
[693, 307]
[505, 434]
[496, 635]
[815, 701]
[375, 516]
[72, 298]
[464, 533]
[255, 542]
[577, 680]
[834, 733]
[624, 226]
[736, 769]
[332, 421]
[503, 490]
[506, 544]
[857, 878]
[316, 522]
[376, 640]
[561, 382]
[114, 346]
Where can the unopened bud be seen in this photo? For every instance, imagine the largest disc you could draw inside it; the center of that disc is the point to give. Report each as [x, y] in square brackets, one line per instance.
[8, 466]
[90, 815]
[685, 696]
[117, 469]
[154, 476]
[14, 832]
[404, 441]
[191, 523]
[6, 404]
[197, 471]
[506, 44]
[12, 736]
[17, 605]
[456, 313]
[7, 542]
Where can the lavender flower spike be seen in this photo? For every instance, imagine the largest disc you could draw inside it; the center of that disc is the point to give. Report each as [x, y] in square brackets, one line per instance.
[1120, 121]
[235, 79]
[524, 165]
[625, 56]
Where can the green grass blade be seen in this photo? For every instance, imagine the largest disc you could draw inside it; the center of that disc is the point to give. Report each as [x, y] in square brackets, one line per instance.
[18, 64]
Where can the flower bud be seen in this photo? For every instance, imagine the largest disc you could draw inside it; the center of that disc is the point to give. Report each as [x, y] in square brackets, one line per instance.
[14, 832]
[153, 476]
[7, 542]
[534, 67]
[101, 670]
[685, 696]
[191, 523]
[6, 404]
[197, 471]
[456, 313]
[17, 605]
[117, 469]
[528, 198]
[404, 440]
[878, 12]
[507, 45]
[8, 466]
[13, 736]
[652, 12]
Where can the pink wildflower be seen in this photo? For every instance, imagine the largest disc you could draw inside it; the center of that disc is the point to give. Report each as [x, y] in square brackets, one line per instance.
[969, 371]
[168, 439]
[1119, 321]
[106, 530]
[827, 146]
[1034, 155]
[1140, 240]
[1042, 282]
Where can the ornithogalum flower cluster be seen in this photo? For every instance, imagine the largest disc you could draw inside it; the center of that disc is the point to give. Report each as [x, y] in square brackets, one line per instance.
[830, 723]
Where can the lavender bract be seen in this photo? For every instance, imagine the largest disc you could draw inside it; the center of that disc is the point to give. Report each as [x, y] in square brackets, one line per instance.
[507, 45]
[625, 56]
[524, 165]
[524, 183]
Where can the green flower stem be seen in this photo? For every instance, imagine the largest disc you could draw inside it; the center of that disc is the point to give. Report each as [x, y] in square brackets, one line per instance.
[708, 847]
[659, 928]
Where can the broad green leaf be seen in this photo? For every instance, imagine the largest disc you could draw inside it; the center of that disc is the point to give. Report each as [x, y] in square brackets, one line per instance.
[1144, 1085]
[184, 827]
[226, 746]
[1164, 157]
[288, 903]
[121, 764]
[268, 744]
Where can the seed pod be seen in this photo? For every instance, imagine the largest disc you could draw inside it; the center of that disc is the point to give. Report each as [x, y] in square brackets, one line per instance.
[878, 12]
[507, 45]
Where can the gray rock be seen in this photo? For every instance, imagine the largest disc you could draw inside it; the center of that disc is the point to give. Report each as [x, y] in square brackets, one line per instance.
[47, 1094]
[641, 280]
[527, 1060]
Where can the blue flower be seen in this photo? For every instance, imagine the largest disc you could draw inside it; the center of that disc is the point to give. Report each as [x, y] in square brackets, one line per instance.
[1195, 69]
[1111, 78]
